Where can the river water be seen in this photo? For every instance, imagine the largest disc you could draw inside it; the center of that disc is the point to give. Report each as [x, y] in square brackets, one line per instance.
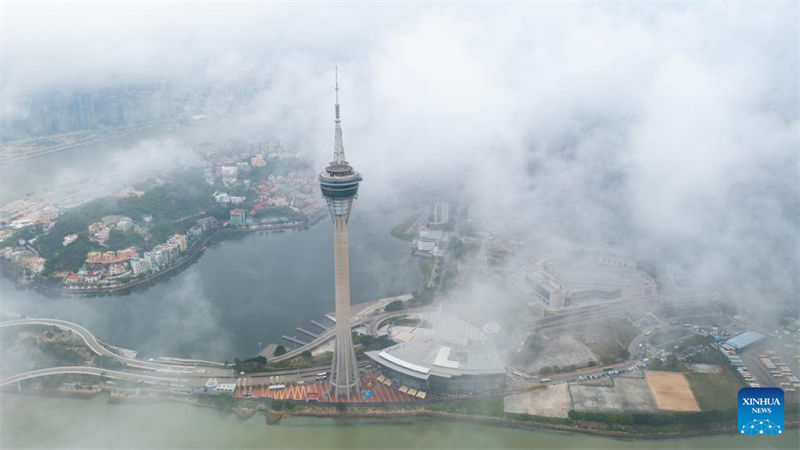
[57, 422]
[66, 166]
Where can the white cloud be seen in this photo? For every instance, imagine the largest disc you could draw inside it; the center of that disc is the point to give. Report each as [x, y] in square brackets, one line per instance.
[663, 125]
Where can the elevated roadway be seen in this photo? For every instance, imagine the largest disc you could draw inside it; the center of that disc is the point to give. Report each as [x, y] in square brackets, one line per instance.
[97, 347]
[359, 318]
[96, 371]
[589, 313]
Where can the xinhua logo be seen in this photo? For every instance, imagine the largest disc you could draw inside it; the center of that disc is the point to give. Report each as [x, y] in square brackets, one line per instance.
[760, 411]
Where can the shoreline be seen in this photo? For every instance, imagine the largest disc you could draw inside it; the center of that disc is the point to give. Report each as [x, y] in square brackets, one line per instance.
[102, 139]
[273, 417]
[192, 256]
[498, 422]
[509, 423]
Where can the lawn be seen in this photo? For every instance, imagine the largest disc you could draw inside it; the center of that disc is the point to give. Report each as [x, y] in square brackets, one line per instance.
[426, 267]
[708, 356]
[666, 337]
[402, 321]
[715, 390]
[610, 339]
[401, 231]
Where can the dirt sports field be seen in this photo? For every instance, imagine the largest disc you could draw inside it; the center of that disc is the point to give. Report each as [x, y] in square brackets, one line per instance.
[671, 391]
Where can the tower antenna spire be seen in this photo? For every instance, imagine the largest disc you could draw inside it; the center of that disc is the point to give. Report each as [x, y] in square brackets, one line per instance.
[338, 145]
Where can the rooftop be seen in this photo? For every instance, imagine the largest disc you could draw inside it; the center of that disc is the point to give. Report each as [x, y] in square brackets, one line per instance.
[452, 347]
[743, 340]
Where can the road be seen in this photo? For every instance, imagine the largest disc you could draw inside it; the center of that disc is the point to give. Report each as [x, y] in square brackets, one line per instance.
[417, 223]
[98, 348]
[177, 379]
[359, 318]
[306, 374]
[372, 328]
[171, 374]
[610, 309]
[574, 318]
[86, 370]
[192, 370]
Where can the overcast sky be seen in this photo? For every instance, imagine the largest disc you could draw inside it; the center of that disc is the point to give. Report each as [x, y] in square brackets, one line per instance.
[671, 128]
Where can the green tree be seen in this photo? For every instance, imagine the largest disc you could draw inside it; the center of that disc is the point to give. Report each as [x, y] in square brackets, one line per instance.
[396, 305]
[421, 298]
[117, 240]
[108, 362]
[279, 350]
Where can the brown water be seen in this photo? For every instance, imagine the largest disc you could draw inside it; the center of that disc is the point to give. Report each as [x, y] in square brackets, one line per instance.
[27, 421]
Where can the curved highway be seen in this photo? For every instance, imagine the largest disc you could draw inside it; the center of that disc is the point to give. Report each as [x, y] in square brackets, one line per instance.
[377, 320]
[358, 319]
[87, 370]
[95, 345]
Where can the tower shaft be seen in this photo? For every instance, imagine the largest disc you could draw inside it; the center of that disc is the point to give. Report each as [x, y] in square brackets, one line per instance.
[344, 371]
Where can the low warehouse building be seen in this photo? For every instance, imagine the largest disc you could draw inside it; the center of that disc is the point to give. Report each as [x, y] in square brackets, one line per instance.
[743, 340]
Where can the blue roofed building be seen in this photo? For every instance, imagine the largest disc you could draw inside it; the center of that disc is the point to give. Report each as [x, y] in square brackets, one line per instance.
[739, 342]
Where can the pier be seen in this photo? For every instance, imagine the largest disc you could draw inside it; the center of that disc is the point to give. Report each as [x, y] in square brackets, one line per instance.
[314, 322]
[304, 331]
[294, 340]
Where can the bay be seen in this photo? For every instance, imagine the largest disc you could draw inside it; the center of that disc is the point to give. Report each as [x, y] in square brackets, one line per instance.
[244, 291]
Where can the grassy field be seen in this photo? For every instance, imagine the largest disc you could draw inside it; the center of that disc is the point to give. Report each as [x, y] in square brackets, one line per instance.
[426, 266]
[611, 338]
[708, 356]
[715, 391]
[401, 231]
[401, 321]
[667, 337]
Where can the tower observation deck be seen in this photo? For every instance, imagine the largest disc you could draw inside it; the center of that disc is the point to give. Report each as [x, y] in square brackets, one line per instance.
[339, 185]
